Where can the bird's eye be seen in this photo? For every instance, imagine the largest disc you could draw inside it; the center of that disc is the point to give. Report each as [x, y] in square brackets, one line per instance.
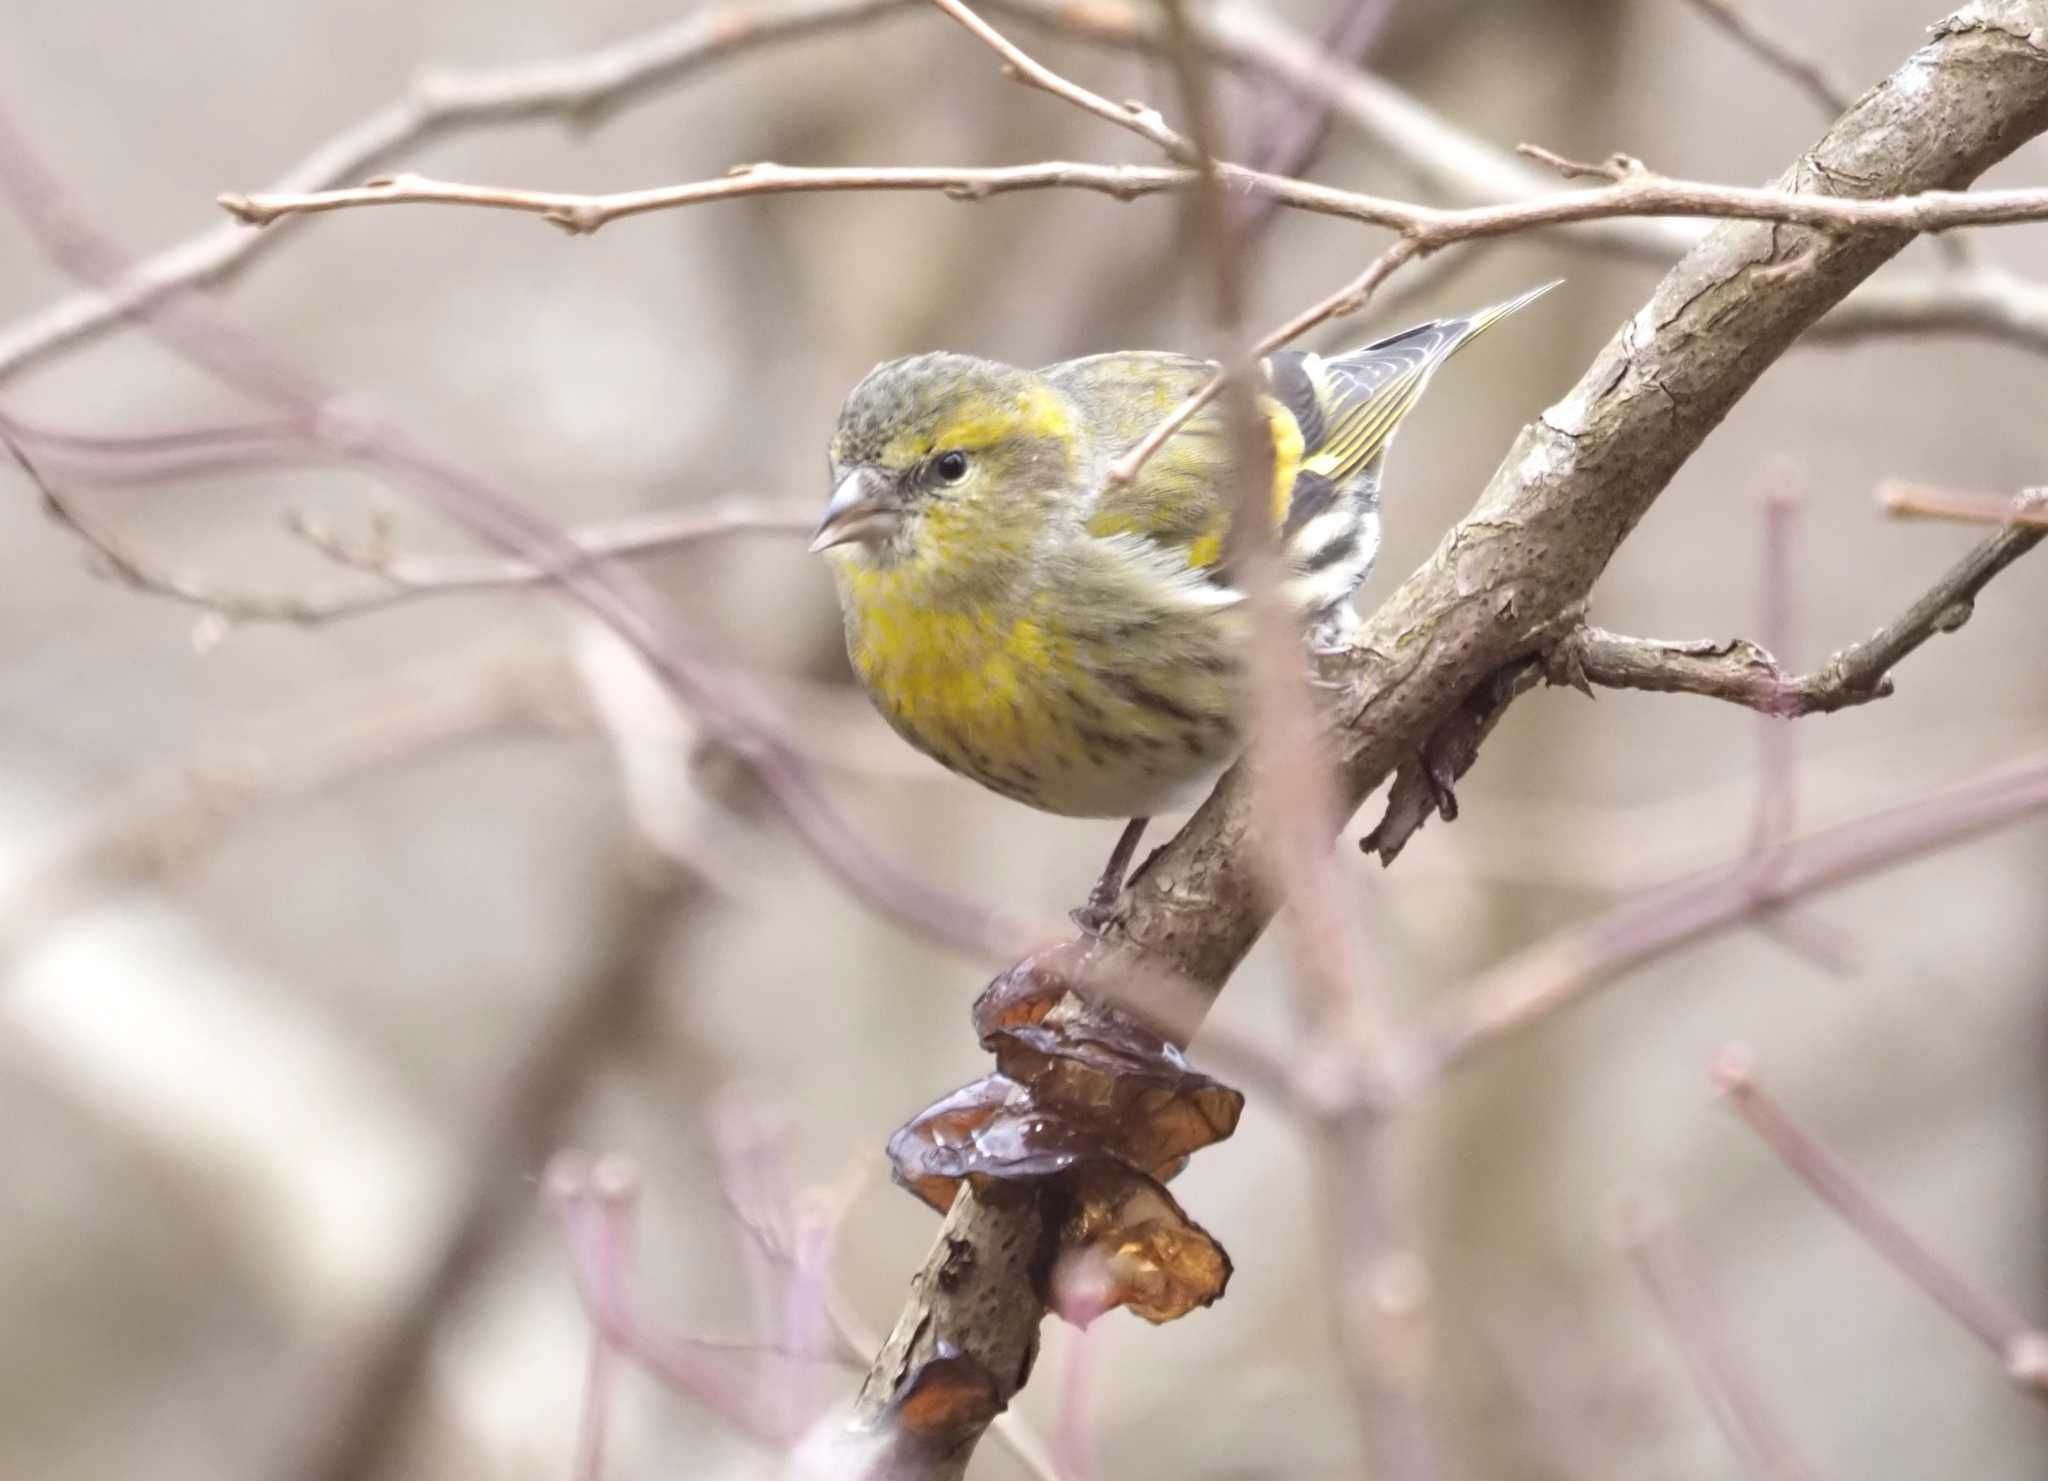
[951, 467]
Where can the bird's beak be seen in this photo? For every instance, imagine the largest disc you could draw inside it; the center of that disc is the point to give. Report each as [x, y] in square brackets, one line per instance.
[857, 512]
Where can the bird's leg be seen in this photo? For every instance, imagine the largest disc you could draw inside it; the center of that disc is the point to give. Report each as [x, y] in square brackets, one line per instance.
[1093, 916]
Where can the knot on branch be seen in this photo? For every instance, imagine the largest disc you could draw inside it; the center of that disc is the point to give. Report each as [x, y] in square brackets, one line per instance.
[1097, 1112]
[1616, 168]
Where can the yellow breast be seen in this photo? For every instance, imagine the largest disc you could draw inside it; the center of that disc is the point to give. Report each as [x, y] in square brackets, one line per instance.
[966, 684]
[1081, 724]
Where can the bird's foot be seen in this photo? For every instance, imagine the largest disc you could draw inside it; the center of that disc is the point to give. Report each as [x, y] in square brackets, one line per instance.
[1095, 916]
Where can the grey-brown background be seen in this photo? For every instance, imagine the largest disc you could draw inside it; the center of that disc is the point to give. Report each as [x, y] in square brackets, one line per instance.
[247, 1072]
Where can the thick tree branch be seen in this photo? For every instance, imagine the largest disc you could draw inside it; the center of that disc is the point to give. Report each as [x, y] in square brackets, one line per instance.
[1507, 579]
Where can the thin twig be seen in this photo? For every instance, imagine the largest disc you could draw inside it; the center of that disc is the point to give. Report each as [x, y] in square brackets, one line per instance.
[1809, 74]
[2016, 1342]
[1536, 983]
[1298, 121]
[581, 90]
[1743, 673]
[395, 579]
[732, 711]
[1383, 1308]
[1349, 299]
[592, 86]
[1924, 501]
[1632, 190]
[1729, 1390]
[1140, 119]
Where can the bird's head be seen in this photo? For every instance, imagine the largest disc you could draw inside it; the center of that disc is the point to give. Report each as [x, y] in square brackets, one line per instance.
[947, 459]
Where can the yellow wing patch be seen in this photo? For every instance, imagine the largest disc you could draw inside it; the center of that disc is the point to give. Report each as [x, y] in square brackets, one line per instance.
[1207, 549]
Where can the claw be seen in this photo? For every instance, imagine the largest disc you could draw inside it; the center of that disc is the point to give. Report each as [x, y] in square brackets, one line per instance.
[1095, 916]
[1442, 786]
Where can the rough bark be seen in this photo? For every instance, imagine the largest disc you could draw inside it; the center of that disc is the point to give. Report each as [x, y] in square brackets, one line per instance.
[1503, 585]
[1506, 579]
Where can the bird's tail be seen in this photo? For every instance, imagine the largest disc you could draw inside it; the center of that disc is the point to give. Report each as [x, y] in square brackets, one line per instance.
[1349, 407]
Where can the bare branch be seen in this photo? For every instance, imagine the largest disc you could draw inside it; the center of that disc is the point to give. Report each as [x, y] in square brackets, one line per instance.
[1980, 299]
[395, 579]
[1926, 502]
[733, 713]
[1349, 299]
[1383, 1308]
[656, 531]
[1632, 190]
[1665, 1266]
[579, 214]
[1743, 673]
[1508, 580]
[592, 86]
[1461, 167]
[1140, 119]
[1805, 72]
[1297, 124]
[581, 91]
[2017, 1343]
[1539, 981]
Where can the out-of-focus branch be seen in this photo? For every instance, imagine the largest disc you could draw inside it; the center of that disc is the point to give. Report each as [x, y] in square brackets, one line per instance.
[359, 1406]
[1508, 579]
[591, 86]
[581, 90]
[1534, 984]
[143, 828]
[1141, 119]
[2016, 1342]
[395, 579]
[1743, 673]
[1660, 1259]
[1921, 501]
[1808, 73]
[1382, 1308]
[1298, 122]
[732, 711]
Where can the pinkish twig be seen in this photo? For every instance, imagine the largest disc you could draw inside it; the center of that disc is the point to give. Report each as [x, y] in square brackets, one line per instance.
[595, 1204]
[1660, 1259]
[733, 713]
[2020, 1345]
[1541, 980]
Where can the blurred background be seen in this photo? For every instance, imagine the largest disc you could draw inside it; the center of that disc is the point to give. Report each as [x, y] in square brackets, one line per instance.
[314, 943]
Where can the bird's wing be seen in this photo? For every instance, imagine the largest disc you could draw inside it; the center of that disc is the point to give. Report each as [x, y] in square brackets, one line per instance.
[1330, 420]
[1349, 405]
[1179, 502]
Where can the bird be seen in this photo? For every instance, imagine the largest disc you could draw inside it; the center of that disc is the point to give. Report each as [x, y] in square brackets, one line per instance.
[1072, 641]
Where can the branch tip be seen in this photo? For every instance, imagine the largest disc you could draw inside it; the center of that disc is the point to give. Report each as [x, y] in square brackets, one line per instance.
[1733, 1070]
[2026, 1360]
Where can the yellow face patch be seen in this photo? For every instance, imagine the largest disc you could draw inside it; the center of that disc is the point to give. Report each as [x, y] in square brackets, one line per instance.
[978, 421]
